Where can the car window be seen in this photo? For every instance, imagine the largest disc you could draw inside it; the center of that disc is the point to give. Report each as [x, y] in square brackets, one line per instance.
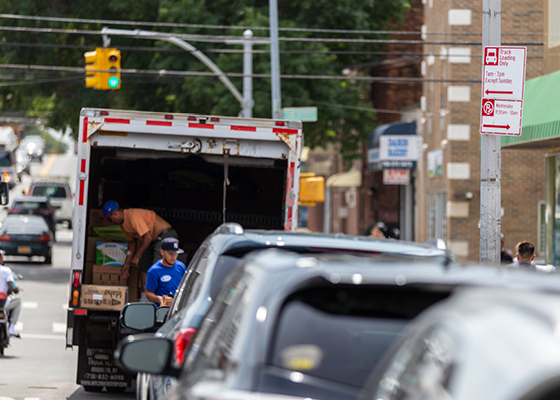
[5, 159]
[56, 191]
[422, 368]
[223, 267]
[215, 343]
[17, 221]
[29, 205]
[183, 291]
[321, 328]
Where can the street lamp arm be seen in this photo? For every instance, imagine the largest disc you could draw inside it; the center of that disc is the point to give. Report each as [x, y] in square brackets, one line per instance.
[139, 34]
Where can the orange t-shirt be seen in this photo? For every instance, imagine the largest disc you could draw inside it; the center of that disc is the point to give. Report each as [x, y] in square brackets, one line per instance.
[137, 222]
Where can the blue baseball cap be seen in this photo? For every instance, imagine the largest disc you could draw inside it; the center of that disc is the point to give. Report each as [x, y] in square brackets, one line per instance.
[108, 208]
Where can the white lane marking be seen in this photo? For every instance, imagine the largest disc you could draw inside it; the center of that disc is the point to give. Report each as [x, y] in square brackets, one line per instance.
[19, 327]
[31, 398]
[29, 304]
[6, 398]
[39, 336]
[59, 327]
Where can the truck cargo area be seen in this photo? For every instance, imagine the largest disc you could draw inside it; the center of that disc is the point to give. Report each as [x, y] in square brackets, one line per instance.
[187, 190]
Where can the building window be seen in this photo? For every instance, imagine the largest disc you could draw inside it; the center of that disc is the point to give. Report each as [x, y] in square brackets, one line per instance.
[553, 26]
[437, 202]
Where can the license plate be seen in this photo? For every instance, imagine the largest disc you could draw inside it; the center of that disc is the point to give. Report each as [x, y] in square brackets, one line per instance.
[24, 249]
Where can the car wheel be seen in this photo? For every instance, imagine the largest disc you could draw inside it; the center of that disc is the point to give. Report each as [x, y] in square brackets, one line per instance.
[48, 259]
[94, 389]
[69, 224]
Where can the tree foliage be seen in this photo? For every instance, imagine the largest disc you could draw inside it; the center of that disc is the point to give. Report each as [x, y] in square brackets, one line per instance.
[340, 119]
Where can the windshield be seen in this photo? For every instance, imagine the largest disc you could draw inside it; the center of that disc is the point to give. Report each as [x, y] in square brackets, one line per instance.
[5, 160]
[49, 191]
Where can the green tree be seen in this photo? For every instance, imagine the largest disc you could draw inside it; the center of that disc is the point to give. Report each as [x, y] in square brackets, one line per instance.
[62, 100]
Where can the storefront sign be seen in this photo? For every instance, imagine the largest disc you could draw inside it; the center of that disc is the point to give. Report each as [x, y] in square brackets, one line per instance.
[396, 176]
[399, 147]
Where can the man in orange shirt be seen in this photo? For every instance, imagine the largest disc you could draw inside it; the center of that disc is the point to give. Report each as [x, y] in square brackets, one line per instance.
[144, 230]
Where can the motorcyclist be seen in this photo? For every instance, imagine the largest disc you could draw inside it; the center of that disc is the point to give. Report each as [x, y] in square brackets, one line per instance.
[13, 305]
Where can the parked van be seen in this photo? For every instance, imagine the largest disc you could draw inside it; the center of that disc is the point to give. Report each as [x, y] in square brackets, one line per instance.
[8, 161]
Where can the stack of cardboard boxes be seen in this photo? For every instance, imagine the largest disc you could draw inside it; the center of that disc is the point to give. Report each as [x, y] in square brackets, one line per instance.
[103, 287]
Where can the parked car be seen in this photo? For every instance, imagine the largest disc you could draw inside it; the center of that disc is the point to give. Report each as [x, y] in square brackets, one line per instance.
[483, 344]
[34, 145]
[23, 162]
[306, 326]
[220, 253]
[37, 205]
[26, 235]
[60, 195]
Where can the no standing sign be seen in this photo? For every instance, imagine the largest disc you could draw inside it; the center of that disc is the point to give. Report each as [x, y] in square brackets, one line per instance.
[503, 86]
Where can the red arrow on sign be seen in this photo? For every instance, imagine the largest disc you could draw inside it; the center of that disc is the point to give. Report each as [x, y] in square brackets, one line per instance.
[496, 92]
[497, 126]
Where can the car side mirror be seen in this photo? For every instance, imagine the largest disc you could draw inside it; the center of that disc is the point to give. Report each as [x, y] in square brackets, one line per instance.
[147, 354]
[4, 193]
[139, 316]
[161, 313]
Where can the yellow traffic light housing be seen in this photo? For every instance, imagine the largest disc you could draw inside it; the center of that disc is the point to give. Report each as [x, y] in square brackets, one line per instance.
[311, 189]
[103, 69]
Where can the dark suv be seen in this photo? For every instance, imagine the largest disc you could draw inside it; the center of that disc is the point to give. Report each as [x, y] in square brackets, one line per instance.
[220, 253]
[37, 205]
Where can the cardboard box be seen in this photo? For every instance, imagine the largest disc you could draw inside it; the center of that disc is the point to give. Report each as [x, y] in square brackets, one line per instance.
[109, 253]
[91, 248]
[133, 285]
[103, 297]
[107, 275]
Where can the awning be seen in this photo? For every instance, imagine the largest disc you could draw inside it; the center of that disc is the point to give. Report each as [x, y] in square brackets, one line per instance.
[541, 115]
[345, 179]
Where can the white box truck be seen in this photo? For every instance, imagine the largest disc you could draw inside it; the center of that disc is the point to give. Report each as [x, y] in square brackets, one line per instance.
[196, 172]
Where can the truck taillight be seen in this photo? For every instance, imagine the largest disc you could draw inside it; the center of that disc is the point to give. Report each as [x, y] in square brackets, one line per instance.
[76, 279]
[103, 112]
[191, 118]
[214, 119]
[280, 123]
[182, 343]
[75, 298]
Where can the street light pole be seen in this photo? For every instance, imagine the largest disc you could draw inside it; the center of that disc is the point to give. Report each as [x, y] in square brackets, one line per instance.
[275, 61]
[248, 74]
[490, 154]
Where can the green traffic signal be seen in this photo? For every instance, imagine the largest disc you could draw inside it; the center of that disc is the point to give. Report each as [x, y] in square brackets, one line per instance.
[113, 82]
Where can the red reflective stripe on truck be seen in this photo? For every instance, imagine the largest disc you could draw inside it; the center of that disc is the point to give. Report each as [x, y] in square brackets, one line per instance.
[117, 121]
[80, 312]
[81, 199]
[83, 166]
[286, 131]
[244, 128]
[202, 126]
[159, 123]
[290, 197]
[84, 130]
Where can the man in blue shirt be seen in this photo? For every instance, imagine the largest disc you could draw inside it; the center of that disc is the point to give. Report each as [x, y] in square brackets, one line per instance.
[166, 274]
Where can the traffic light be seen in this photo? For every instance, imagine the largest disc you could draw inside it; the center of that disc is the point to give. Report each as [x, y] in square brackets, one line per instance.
[103, 69]
[311, 189]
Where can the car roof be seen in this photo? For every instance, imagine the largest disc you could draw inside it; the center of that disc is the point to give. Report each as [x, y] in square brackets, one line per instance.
[232, 235]
[32, 198]
[506, 341]
[46, 180]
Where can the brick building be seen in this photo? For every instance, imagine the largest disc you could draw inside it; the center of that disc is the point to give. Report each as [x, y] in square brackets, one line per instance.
[448, 202]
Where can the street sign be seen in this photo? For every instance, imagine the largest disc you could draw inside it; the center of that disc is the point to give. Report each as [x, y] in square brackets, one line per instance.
[503, 87]
[303, 114]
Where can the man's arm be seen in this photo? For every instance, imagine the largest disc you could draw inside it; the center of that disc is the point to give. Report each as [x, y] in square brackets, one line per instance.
[144, 244]
[150, 295]
[126, 266]
[11, 288]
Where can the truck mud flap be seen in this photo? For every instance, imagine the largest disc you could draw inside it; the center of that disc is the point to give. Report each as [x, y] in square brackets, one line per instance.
[97, 368]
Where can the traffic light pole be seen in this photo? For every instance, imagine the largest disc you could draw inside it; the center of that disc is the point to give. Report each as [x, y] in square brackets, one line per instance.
[139, 34]
[490, 154]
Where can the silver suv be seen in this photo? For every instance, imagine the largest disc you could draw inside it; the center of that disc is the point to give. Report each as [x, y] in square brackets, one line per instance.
[60, 195]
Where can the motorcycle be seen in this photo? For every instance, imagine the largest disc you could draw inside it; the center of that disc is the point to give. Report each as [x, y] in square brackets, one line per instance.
[4, 324]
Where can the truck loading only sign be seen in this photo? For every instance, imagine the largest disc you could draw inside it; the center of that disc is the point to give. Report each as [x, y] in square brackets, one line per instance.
[503, 86]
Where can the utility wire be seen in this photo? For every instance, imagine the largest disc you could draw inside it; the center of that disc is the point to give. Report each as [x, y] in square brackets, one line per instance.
[255, 28]
[223, 38]
[39, 81]
[238, 51]
[162, 73]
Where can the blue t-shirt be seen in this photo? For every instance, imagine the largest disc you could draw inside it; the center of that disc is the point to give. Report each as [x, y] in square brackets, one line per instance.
[163, 280]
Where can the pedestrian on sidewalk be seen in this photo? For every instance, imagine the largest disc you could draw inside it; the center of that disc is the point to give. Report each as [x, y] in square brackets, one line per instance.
[505, 257]
[525, 257]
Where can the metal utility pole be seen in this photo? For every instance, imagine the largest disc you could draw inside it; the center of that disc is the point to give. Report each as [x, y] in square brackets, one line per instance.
[248, 74]
[275, 61]
[490, 154]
